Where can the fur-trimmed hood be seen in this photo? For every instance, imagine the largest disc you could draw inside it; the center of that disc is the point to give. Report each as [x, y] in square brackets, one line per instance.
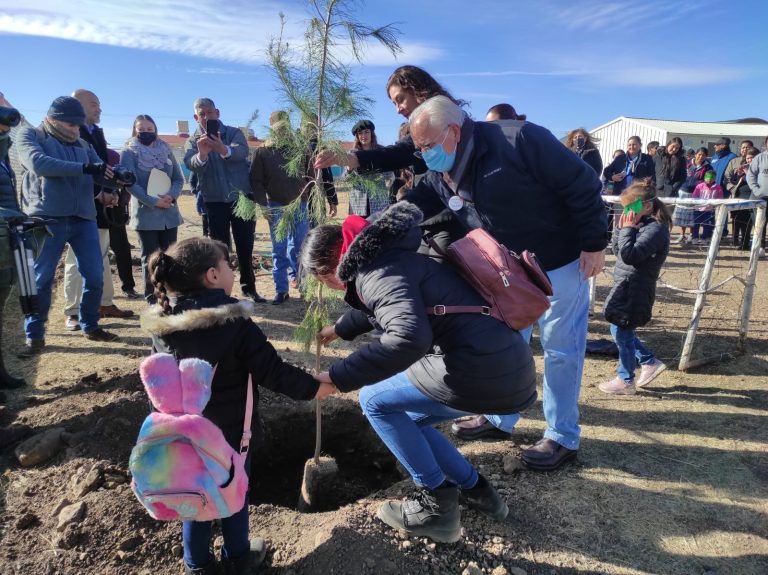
[396, 226]
[161, 325]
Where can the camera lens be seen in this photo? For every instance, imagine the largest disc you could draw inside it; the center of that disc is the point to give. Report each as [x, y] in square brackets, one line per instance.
[9, 117]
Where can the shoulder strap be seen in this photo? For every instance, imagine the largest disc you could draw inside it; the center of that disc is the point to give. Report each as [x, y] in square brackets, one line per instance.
[245, 440]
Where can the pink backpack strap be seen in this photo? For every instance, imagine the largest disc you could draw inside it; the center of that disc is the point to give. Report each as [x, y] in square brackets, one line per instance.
[245, 440]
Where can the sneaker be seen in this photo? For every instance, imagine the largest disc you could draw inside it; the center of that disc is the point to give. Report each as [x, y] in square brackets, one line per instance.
[484, 498]
[649, 372]
[72, 323]
[618, 386]
[432, 513]
[254, 295]
[698, 242]
[681, 239]
[131, 294]
[280, 298]
[248, 563]
[114, 311]
[32, 347]
[99, 334]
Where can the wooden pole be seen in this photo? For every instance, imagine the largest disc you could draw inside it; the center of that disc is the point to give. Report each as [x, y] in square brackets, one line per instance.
[749, 287]
[706, 278]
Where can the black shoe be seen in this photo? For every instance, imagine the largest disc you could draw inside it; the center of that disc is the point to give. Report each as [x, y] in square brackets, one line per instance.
[280, 298]
[7, 381]
[248, 563]
[254, 295]
[547, 455]
[72, 323]
[484, 498]
[432, 513]
[131, 294]
[99, 334]
[211, 569]
[477, 428]
[32, 347]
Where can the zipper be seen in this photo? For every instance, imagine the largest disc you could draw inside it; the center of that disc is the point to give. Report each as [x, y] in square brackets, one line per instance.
[160, 493]
[504, 279]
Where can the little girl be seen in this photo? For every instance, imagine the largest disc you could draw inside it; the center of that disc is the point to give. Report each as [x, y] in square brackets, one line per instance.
[196, 317]
[641, 246]
[705, 215]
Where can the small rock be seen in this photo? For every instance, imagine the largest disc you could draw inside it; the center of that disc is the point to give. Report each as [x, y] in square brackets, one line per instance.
[177, 550]
[71, 514]
[517, 571]
[40, 447]
[512, 464]
[431, 547]
[130, 543]
[121, 555]
[91, 482]
[406, 544]
[500, 570]
[26, 520]
[69, 538]
[59, 506]
[472, 569]
[83, 556]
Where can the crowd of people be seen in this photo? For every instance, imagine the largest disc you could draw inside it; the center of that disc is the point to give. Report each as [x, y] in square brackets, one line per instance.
[448, 174]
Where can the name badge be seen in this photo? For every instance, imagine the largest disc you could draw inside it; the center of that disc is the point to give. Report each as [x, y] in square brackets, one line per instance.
[455, 203]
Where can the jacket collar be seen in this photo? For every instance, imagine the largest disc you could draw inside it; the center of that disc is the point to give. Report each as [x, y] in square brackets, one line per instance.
[204, 310]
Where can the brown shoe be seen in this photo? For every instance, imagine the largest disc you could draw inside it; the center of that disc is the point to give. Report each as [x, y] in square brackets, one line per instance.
[114, 311]
[99, 334]
[547, 455]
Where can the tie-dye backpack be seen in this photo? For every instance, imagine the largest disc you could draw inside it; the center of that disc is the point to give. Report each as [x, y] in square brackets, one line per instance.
[182, 466]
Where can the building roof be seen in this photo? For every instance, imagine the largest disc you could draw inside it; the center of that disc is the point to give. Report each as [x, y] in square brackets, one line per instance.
[741, 129]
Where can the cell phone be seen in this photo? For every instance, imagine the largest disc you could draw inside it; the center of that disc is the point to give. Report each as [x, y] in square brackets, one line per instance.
[212, 128]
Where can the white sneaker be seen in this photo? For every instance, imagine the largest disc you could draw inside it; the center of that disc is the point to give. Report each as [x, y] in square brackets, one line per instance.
[649, 372]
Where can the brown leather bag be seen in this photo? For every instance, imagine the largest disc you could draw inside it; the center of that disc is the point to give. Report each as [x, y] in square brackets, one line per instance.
[515, 286]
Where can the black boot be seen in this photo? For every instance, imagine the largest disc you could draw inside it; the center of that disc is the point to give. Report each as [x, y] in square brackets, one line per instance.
[247, 564]
[432, 513]
[484, 498]
[211, 569]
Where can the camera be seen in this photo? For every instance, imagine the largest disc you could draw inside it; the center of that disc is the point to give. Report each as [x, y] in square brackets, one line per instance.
[9, 117]
[124, 175]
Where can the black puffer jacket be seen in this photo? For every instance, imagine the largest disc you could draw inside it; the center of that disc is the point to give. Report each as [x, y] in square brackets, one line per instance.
[467, 361]
[8, 197]
[640, 254]
[212, 326]
[670, 172]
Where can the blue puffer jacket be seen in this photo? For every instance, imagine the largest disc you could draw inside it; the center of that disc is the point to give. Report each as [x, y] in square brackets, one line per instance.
[53, 183]
[221, 180]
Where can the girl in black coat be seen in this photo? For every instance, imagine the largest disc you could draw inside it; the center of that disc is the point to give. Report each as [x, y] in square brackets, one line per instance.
[641, 247]
[196, 317]
[424, 368]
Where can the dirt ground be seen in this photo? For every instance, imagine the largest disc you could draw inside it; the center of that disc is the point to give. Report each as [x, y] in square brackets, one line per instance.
[673, 480]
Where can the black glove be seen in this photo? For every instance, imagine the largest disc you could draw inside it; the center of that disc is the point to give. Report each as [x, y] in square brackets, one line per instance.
[95, 169]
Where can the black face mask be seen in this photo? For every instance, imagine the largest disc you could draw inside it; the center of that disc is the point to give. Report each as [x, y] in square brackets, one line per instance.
[146, 138]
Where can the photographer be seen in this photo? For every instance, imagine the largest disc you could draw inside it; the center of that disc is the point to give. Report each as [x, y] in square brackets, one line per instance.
[59, 172]
[9, 117]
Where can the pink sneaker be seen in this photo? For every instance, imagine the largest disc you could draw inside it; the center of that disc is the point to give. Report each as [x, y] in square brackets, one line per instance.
[649, 372]
[618, 386]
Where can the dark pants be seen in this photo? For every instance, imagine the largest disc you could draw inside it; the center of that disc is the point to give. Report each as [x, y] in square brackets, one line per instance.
[118, 241]
[741, 228]
[151, 241]
[748, 233]
[707, 222]
[220, 220]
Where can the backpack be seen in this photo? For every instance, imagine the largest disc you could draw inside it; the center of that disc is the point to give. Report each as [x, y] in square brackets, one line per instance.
[515, 287]
[183, 468]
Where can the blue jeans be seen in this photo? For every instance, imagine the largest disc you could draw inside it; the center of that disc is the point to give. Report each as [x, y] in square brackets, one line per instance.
[631, 351]
[151, 241]
[563, 335]
[196, 535]
[403, 417]
[707, 222]
[285, 252]
[83, 237]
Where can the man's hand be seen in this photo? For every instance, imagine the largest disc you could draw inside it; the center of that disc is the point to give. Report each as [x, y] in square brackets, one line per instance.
[327, 158]
[326, 387]
[204, 147]
[217, 145]
[618, 177]
[332, 209]
[591, 263]
[164, 202]
[327, 334]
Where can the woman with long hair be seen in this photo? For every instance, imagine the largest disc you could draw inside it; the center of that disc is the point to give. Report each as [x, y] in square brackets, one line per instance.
[582, 144]
[670, 168]
[369, 194]
[156, 218]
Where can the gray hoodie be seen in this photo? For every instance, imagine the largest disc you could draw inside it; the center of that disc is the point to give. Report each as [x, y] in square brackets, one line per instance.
[757, 176]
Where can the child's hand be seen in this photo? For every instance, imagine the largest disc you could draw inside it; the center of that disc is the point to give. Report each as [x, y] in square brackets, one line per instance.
[327, 334]
[629, 220]
[326, 386]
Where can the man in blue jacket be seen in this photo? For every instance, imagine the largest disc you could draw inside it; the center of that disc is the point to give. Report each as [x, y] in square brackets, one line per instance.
[59, 170]
[220, 161]
[516, 180]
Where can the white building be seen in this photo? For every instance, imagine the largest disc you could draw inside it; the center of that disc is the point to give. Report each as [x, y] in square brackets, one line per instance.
[614, 135]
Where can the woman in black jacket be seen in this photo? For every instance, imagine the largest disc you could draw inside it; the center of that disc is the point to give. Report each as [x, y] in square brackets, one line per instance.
[670, 168]
[641, 247]
[580, 143]
[424, 369]
[630, 166]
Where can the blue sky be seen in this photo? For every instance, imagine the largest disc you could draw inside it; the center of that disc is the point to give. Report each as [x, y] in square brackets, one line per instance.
[564, 63]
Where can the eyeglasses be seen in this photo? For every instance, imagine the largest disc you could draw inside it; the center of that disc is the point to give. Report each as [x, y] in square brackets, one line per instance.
[420, 152]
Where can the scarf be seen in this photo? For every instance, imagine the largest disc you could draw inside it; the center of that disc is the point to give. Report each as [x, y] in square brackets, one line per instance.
[53, 130]
[154, 156]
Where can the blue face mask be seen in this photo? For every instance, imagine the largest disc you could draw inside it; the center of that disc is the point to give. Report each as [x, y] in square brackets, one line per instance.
[437, 159]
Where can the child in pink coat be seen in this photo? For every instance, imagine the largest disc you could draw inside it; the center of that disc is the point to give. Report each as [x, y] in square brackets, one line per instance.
[705, 215]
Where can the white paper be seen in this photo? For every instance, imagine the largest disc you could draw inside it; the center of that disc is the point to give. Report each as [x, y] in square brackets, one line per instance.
[159, 183]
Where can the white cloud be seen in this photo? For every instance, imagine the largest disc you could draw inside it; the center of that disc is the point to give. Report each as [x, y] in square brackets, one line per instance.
[512, 73]
[673, 77]
[602, 16]
[237, 31]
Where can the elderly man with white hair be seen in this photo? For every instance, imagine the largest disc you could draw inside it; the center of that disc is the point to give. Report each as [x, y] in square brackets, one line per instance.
[516, 180]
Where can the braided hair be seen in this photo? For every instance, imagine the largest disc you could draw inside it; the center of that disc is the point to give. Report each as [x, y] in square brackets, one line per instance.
[182, 267]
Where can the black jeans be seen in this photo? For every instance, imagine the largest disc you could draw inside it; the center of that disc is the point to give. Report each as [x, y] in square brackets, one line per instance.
[118, 241]
[220, 220]
[151, 241]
